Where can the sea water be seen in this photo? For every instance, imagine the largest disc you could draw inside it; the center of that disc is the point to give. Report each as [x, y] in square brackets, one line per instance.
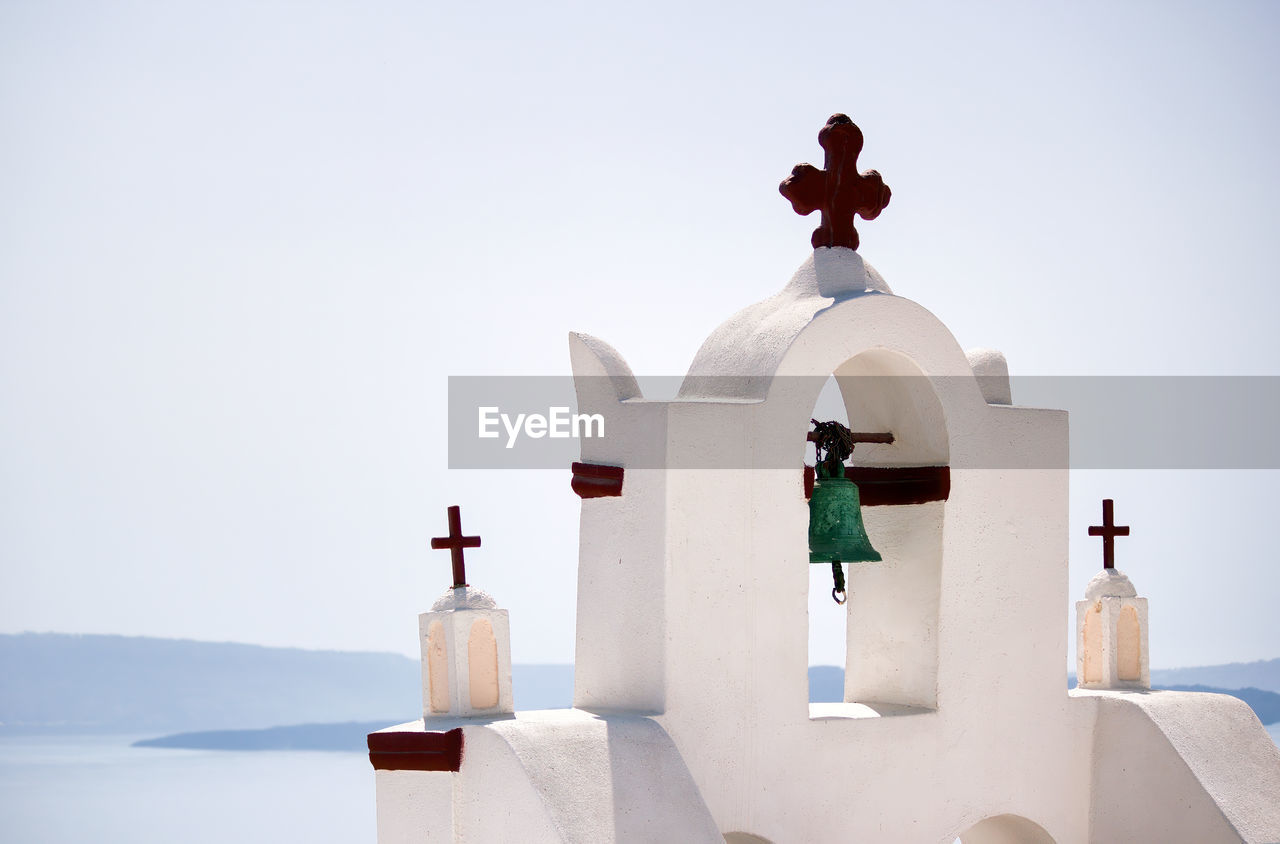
[72, 789]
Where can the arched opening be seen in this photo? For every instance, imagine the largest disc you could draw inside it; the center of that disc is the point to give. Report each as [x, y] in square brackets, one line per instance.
[482, 665]
[1092, 645]
[1006, 829]
[437, 668]
[828, 622]
[1128, 645]
[891, 617]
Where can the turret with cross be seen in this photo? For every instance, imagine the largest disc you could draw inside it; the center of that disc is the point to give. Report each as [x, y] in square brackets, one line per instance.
[1111, 622]
[466, 642]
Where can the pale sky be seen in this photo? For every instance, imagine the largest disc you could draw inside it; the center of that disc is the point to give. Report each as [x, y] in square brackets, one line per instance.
[242, 246]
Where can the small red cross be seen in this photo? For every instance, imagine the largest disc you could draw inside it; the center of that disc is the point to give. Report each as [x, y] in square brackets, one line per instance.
[1108, 530]
[455, 542]
[839, 191]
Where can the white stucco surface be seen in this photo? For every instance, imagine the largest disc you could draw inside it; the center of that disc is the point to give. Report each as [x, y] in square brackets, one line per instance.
[1181, 766]
[555, 776]
[414, 806]
[992, 372]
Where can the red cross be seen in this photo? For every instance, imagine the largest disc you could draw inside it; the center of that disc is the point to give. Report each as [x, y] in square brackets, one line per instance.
[455, 542]
[838, 191]
[1108, 530]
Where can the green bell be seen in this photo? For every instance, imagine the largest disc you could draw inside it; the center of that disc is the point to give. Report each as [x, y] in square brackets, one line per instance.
[836, 532]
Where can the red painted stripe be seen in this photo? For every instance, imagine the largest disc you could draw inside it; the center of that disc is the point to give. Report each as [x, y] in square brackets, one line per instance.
[893, 486]
[416, 751]
[593, 480]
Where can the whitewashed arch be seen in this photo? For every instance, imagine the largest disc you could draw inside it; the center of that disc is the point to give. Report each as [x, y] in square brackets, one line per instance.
[1006, 829]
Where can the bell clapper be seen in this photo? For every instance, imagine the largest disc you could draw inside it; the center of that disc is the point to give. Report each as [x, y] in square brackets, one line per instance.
[838, 592]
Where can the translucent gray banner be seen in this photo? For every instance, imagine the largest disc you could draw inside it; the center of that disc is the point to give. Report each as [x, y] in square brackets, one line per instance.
[1116, 422]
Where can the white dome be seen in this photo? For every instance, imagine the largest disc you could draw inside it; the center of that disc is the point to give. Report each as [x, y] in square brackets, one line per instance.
[464, 598]
[1110, 583]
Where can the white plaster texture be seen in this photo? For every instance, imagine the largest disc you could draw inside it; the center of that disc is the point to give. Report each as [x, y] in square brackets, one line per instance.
[1181, 766]
[463, 679]
[555, 776]
[414, 806]
[621, 640]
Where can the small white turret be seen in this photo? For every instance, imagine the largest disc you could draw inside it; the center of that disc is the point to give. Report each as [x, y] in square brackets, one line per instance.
[466, 656]
[466, 643]
[1111, 622]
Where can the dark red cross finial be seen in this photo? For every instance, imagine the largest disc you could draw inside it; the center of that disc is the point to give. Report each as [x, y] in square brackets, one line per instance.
[455, 542]
[1108, 530]
[839, 191]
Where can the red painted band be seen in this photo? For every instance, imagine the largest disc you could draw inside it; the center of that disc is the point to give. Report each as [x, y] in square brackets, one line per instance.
[593, 480]
[893, 486]
[425, 751]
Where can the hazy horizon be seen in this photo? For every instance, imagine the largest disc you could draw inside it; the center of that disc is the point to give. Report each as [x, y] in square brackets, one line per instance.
[416, 656]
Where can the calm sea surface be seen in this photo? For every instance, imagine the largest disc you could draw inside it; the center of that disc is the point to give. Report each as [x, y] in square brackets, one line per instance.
[91, 789]
[73, 789]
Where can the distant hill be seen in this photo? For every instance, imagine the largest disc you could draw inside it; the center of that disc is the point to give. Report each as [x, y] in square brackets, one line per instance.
[544, 686]
[89, 683]
[826, 683]
[1264, 674]
[54, 681]
[1265, 704]
[349, 736]
[128, 684]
